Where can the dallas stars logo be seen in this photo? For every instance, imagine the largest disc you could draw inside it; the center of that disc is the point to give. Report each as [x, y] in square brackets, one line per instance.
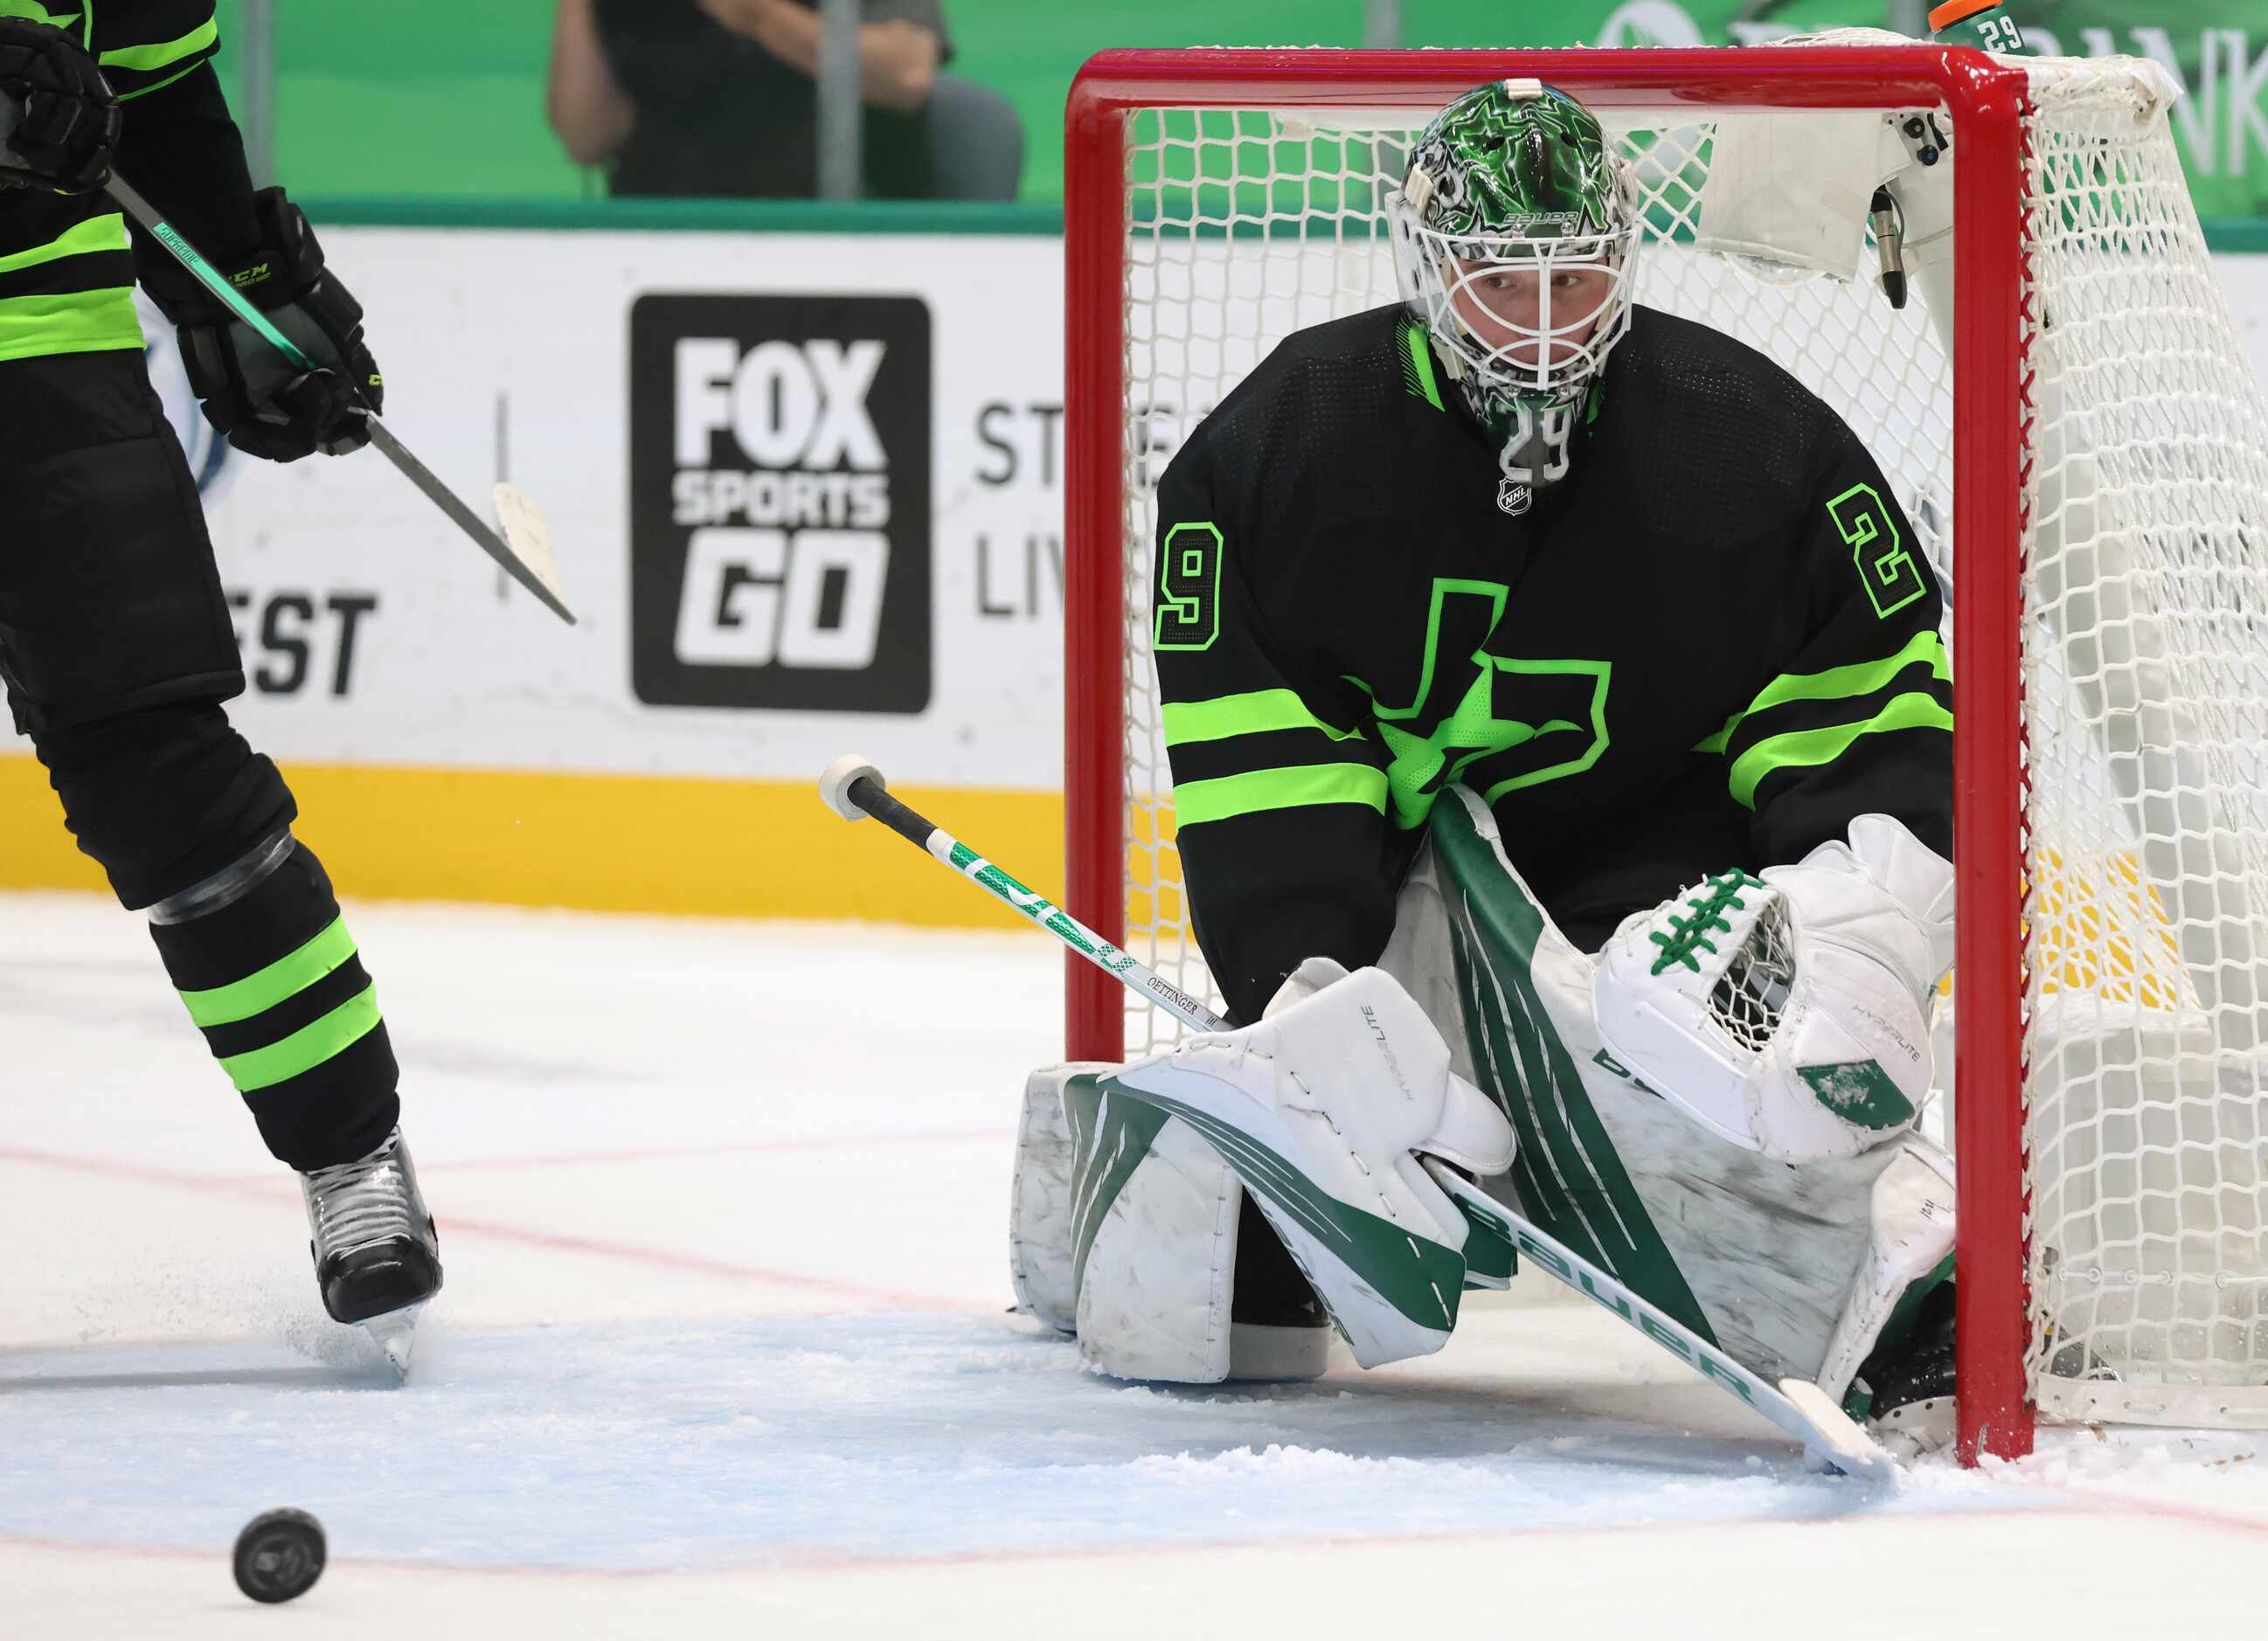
[1497, 723]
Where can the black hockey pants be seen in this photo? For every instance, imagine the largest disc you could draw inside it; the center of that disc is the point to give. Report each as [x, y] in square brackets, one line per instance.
[117, 651]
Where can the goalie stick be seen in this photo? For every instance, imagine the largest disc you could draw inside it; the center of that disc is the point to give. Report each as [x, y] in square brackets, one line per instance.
[854, 789]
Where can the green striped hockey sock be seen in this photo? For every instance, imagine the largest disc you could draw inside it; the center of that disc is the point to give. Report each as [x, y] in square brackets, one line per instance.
[272, 978]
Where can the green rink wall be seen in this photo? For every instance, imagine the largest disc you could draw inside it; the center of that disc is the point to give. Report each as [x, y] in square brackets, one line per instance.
[440, 99]
[2245, 236]
[419, 97]
[430, 98]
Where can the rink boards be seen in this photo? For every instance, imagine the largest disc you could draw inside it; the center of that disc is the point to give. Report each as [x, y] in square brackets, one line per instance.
[806, 494]
[806, 490]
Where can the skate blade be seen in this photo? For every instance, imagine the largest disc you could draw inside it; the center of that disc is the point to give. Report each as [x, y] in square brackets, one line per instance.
[396, 1333]
[1917, 1429]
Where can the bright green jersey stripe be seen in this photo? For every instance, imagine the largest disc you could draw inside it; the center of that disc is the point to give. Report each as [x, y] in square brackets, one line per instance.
[1810, 747]
[96, 234]
[1861, 678]
[1252, 713]
[1723, 738]
[77, 322]
[146, 59]
[1195, 802]
[307, 1047]
[159, 86]
[1421, 360]
[286, 977]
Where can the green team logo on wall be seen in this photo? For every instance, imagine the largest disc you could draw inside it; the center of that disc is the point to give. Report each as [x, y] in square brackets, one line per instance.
[1496, 723]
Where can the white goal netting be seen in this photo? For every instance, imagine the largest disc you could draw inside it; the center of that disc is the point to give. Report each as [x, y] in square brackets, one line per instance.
[2145, 637]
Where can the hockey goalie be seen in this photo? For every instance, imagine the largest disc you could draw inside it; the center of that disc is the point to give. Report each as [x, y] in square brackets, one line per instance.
[1561, 737]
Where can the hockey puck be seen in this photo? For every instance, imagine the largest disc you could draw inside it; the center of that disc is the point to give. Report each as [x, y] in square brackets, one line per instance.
[279, 1555]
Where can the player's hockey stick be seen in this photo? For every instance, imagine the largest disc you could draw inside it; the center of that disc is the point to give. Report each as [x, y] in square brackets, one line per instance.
[854, 789]
[523, 550]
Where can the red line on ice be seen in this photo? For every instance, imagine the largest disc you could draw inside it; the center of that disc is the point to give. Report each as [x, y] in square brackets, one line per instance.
[880, 1139]
[794, 1561]
[268, 1190]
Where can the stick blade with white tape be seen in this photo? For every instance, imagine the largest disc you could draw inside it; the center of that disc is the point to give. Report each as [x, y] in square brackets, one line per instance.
[484, 535]
[522, 547]
[528, 534]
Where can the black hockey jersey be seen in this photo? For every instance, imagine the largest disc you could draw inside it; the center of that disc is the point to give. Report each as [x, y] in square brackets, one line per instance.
[67, 271]
[1712, 644]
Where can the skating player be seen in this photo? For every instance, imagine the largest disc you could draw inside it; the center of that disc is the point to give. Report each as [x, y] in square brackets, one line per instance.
[115, 644]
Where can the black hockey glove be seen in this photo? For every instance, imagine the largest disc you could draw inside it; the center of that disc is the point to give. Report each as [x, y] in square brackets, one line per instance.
[267, 406]
[67, 122]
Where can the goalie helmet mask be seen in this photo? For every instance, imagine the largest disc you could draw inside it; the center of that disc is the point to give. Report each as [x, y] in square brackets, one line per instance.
[1515, 234]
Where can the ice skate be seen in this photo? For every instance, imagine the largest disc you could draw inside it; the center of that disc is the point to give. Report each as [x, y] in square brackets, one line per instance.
[378, 1256]
[1912, 1411]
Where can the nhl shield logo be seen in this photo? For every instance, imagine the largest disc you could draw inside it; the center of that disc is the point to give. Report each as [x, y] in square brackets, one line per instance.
[1513, 497]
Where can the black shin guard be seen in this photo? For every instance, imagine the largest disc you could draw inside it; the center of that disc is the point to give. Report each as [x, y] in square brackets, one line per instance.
[263, 960]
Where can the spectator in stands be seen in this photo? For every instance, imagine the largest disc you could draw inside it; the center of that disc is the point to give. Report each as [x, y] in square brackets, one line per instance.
[719, 97]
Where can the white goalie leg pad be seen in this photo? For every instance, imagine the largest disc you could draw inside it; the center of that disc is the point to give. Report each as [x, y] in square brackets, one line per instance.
[1041, 1259]
[1323, 1108]
[1907, 1254]
[1151, 1298]
[1159, 1276]
[1789, 1015]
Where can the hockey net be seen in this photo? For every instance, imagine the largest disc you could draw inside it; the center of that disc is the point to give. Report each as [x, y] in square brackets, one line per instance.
[2112, 447]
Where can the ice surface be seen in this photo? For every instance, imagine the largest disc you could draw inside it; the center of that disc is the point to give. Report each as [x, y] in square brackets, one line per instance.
[725, 1350]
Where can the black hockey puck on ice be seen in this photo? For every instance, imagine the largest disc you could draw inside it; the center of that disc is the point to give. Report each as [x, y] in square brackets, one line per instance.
[279, 1555]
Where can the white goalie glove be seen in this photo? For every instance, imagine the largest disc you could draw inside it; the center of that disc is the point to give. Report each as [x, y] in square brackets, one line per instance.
[1790, 1014]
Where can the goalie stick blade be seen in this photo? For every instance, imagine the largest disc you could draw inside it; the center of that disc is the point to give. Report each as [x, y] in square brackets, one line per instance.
[1830, 1439]
[1839, 1442]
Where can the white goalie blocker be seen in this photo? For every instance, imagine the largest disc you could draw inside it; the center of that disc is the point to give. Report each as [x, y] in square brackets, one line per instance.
[1796, 188]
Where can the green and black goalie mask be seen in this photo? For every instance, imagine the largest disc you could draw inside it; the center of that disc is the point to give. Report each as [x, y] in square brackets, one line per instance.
[1514, 237]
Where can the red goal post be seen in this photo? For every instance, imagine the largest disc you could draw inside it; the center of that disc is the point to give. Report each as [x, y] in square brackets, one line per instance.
[1987, 104]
